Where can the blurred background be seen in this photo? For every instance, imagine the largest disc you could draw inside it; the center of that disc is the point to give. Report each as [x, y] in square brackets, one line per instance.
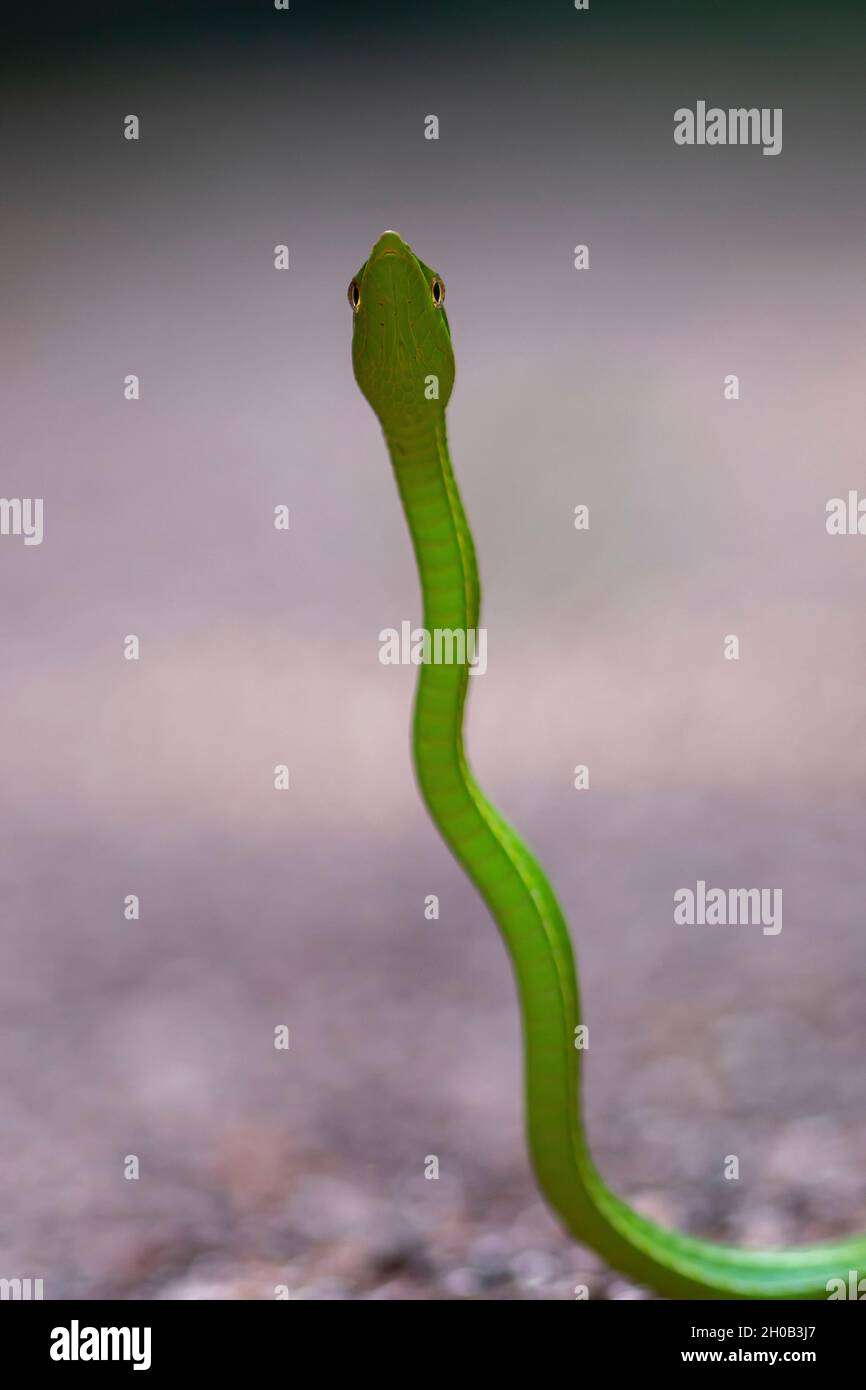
[604, 387]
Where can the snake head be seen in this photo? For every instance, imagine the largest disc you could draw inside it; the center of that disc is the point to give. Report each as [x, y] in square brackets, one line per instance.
[401, 341]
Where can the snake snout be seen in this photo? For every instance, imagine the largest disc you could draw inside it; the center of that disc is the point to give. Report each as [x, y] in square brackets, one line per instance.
[389, 244]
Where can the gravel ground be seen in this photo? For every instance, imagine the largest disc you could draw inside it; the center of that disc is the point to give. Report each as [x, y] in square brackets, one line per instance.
[305, 1169]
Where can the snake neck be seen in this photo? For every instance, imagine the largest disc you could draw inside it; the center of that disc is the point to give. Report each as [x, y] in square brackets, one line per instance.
[437, 523]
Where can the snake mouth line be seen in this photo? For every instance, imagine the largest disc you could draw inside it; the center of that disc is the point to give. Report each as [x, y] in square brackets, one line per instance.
[388, 255]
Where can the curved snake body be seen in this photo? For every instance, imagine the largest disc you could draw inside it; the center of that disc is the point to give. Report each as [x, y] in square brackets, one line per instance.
[404, 365]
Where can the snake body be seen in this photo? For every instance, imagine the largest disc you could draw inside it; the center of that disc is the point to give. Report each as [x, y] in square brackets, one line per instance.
[404, 364]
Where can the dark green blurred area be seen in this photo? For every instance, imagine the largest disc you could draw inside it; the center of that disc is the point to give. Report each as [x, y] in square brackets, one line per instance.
[59, 37]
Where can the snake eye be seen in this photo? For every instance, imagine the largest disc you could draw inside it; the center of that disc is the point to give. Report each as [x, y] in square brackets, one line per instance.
[437, 289]
[354, 294]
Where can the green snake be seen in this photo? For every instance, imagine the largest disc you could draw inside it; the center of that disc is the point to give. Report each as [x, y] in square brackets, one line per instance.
[404, 364]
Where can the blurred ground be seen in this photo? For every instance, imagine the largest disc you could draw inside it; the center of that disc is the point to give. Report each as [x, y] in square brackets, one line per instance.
[306, 1167]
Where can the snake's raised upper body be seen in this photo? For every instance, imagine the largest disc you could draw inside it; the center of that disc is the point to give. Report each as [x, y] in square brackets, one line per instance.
[404, 365]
